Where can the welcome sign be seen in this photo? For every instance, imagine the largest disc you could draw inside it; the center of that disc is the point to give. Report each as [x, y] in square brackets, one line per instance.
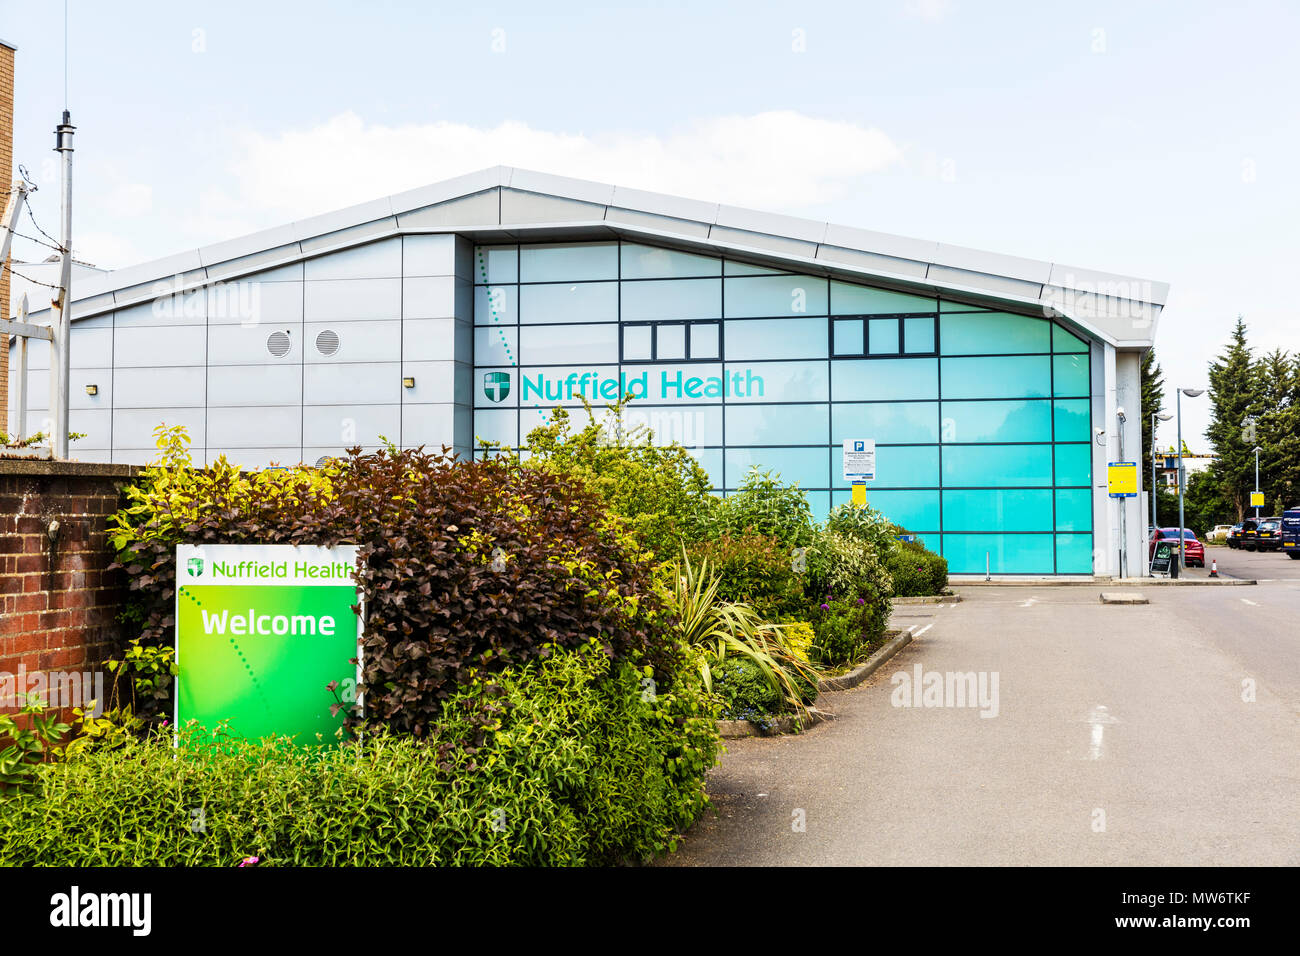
[261, 631]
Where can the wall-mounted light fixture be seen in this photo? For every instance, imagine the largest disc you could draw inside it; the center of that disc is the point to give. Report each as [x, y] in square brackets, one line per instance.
[92, 389]
[408, 382]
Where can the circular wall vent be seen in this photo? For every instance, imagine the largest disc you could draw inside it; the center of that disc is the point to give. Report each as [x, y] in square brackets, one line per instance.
[327, 342]
[324, 460]
[278, 344]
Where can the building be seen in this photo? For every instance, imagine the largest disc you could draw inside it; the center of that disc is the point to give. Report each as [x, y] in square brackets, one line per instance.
[7, 54]
[467, 309]
[1167, 467]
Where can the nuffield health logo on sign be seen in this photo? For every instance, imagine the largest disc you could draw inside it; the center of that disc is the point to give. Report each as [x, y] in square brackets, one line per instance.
[265, 636]
[496, 385]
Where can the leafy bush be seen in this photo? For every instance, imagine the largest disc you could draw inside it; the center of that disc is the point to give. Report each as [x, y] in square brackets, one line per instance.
[916, 571]
[847, 629]
[579, 765]
[464, 565]
[864, 524]
[846, 567]
[799, 637]
[746, 692]
[757, 570]
[765, 505]
[718, 630]
[660, 491]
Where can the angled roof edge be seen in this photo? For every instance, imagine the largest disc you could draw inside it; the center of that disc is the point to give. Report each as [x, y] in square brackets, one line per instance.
[528, 204]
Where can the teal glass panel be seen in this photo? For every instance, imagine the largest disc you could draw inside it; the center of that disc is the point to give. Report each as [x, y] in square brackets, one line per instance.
[849, 299]
[1007, 553]
[882, 336]
[996, 421]
[913, 510]
[1070, 374]
[671, 299]
[494, 264]
[651, 262]
[580, 262]
[993, 333]
[884, 379]
[710, 460]
[751, 296]
[918, 335]
[749, 339]
[903, 466]
[998, 466]
[778, 382]
[1063, 341]
[564, 302]
[1074, 554]
[848, 337]
[1017, 376]
[496, 305]
[820, 503]
[1073, 419]
[733, 268]
[809, 467]
[703, 342]
[776, 424]
[885, 422]
[1074, 464]
[1002, 510]
[1074, 509]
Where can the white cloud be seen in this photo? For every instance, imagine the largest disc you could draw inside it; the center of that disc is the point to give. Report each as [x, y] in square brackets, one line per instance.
[773, 160]
[932, 10]
[129, 199]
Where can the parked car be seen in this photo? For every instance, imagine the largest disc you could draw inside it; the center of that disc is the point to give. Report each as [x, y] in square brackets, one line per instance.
[1220, 532]
[1291, 533]
[1237, 536]
[1193, 550]
[1268, 537]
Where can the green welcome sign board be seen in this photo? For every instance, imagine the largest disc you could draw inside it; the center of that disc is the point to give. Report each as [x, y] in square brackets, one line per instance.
[261, 631]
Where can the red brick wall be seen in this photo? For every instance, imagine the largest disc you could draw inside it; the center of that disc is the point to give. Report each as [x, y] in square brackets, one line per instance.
[58, 605]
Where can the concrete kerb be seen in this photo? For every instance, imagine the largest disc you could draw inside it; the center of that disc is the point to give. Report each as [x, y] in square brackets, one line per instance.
[1023, 582]
[792, 724]
[946, 598]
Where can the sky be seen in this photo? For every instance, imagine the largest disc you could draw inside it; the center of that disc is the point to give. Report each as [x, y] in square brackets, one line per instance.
[1147, 138]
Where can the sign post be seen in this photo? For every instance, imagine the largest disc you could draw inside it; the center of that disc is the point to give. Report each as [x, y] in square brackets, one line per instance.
[261, 631]
[859, 466]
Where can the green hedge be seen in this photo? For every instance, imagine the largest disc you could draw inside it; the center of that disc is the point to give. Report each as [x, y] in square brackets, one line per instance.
[916, 572]
[579, 762]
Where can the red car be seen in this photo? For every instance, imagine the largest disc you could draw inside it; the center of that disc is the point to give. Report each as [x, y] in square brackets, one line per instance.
[1193, 550]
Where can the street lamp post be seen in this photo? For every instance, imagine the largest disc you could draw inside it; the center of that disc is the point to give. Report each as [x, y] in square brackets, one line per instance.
[1164, 417]
[1190, 393]
[1256, 480]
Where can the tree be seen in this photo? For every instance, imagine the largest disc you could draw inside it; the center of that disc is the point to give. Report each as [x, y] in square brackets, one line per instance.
[1278, 427]
[1153, 402]
[1235, 404]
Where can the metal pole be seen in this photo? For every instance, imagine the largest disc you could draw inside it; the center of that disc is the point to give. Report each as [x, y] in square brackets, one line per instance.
[1181, 563]
[1153, 474]
[60, 373]
[1256, 480]
[1123, 509]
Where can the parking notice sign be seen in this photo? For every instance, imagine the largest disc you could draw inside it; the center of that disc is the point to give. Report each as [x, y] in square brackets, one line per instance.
[859, 460]
[1257, 499]
[261, 633]
[1122, 479]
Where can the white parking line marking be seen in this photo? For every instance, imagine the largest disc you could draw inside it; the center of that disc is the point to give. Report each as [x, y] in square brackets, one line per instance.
[1098, 717]
[1249, 601]
[1030, 603]
[923, 630]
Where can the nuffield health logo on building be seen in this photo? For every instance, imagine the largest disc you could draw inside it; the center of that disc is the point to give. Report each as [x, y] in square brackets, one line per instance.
[496, 385]
[194, 566]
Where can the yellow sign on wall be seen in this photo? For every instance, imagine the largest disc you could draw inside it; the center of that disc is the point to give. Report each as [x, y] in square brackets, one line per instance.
[1257, 499]
[859, 494]
[1122, 479]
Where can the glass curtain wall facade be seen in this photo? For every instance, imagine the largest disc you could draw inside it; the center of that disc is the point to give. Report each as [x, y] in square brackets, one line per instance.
[982, 419]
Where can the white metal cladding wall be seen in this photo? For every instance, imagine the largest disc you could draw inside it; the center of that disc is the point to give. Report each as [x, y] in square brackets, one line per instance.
[982, 418]
[287, 365]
